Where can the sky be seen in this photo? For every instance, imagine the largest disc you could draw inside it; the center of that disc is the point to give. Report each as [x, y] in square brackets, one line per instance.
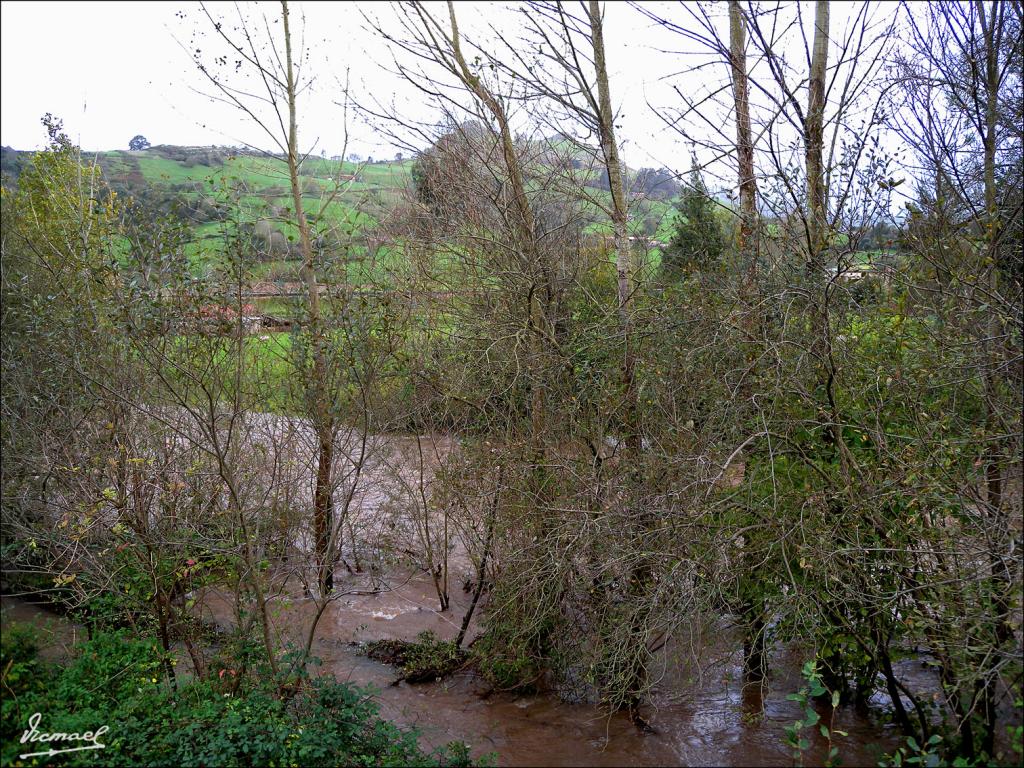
[112, 70]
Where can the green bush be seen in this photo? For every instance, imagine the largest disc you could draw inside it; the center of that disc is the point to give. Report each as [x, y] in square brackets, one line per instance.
[115, 680]
[423, 660]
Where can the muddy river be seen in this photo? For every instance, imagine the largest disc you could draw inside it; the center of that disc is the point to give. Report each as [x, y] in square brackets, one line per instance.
[700, 712]
[699, 718]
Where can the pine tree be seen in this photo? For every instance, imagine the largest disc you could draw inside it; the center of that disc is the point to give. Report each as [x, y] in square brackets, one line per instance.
[697, 243]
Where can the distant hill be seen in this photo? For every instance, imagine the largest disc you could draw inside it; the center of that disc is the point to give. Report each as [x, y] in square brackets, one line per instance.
[210, 185]
[11, 162]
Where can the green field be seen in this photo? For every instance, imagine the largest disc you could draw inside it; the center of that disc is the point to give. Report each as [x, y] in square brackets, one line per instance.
[226, 194]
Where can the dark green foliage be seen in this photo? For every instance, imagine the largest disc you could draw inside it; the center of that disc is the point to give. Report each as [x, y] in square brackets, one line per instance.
[697, 243]
[423, 660]
[509, 660]
[115, 681]
[23, 672]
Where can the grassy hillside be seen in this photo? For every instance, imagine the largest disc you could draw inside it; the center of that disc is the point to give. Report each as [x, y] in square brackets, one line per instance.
[217, 190]
[257, 185]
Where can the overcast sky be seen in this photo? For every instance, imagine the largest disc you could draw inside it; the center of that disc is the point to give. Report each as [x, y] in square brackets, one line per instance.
[112, 70]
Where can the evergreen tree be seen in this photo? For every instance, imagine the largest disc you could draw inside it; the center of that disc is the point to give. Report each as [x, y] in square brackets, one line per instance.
[697, 243]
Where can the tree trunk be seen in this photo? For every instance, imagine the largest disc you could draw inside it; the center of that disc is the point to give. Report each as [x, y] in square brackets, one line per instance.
[755, 656]
[323, 421]
[620, 217]
[814, 127]
[632, 439]
[992, 29]
[747, 243]
[482, 572]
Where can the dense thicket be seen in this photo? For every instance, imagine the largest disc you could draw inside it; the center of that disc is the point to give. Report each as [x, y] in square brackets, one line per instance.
[808, 438]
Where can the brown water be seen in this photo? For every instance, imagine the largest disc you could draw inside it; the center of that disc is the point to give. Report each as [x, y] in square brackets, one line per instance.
[700, 713]
[56, 635]
[704, 719]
